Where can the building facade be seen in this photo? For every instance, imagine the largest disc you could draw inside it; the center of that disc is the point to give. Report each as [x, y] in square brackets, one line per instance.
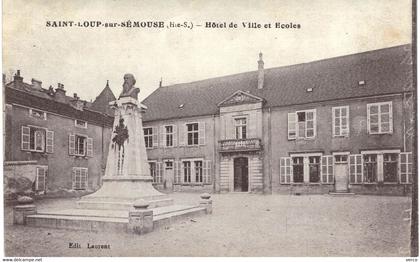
[52, 140]
[342, 124]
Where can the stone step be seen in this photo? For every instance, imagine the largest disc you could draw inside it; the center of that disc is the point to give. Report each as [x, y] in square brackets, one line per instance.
[341, 193]
[108, 220]
[117, 205]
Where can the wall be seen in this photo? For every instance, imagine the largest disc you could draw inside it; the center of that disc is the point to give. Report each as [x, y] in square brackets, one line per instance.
[59, 163]
[324, 142]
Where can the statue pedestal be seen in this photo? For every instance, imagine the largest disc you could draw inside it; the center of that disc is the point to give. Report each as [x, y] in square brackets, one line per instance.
[127, 175]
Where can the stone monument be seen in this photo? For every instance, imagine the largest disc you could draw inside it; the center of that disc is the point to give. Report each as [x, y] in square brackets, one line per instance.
[127, 175]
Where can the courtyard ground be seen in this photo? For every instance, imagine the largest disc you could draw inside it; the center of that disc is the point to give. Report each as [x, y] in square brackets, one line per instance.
[241, 225]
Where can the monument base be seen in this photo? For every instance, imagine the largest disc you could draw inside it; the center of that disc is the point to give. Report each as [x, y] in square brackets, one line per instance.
[120, 192]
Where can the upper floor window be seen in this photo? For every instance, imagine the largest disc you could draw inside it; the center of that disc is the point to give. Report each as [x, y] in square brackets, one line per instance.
[340, 120]
[240, 128]
[168, 135]
[301, 124]
[37, 114]
[80, 123]
[80, 145]
[150, 137]
[192, 134]
[37, 139]
[379, 118]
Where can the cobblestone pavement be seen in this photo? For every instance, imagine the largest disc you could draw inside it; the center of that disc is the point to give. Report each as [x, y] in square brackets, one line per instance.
[241, 225]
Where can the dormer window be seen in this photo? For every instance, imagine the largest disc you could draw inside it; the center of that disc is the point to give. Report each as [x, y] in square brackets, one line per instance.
[37, 114]
[80, 123]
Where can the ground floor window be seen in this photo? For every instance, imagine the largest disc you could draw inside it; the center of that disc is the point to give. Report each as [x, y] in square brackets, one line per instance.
[298, 169]
[41, 177]
[370, 168]
[390, 168]
[406, 161]
[80, 178]
[156, 171]
[192, 171]
[314, 169]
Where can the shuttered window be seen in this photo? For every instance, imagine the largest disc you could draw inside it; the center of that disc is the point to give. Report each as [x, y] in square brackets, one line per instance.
[379, 117]
[41, 177]
[80, 145]
[37, 139]
[301, 124]
[340, 121]
[156, 171]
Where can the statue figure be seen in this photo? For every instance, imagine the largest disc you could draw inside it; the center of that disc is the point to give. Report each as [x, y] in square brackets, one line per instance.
[129, 90]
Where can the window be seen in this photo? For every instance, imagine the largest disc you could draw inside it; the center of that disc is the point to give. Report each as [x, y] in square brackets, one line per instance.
[37, 139]
[80, 178]
[301, 124]
[314, 176]
[169, 136]
[198, 168]
[240, 128]
[406, 167]
[80, 123]
[192, 171]
[156, 171]
[169, 165]
[148, 137]
[370, 168]
[391, 168]
[80, 145]
[192, 134]
[187, 171]
[340, 120]
[37, 114]
[41, 177]
[298, 169]
[380, 118]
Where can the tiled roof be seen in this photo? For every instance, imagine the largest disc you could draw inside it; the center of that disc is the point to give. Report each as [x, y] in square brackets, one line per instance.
[24, 94]
[385, 71]
[101, 102]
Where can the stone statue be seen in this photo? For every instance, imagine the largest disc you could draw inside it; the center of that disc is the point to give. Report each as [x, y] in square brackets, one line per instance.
[129, 90]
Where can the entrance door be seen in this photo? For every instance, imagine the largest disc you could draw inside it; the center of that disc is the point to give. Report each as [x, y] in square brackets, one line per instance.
[240, 177]
[341, 177]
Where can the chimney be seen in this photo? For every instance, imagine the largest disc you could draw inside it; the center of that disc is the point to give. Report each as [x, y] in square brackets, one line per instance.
[17, 77]
[50, 91]
[160, 82]
[60, 93]
[36, 84]
[260, 72]
[75, 96]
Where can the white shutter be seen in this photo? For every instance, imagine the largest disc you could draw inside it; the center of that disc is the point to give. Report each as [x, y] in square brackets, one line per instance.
[50, 142]
[356, 169]
[159, 172]
[162, 136]
[72, 145]
[291, 126]
[207, 172]
[175, 135]
[177, 172]
[84, 178]
[25, 138]
[89, 147]
[73, 178]
[391, 122]
[405, 169]
[327, 173]
[286, 170]
[201, 133]
[155, 137]
[183, 135]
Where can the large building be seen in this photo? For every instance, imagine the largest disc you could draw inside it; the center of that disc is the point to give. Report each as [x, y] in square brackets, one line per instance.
[53, 141]
[341, 124]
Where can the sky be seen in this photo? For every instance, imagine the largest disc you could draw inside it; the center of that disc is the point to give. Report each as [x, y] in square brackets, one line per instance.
[83, 59]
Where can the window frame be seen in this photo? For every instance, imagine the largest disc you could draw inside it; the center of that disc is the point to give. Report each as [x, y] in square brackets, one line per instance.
[76, 144]
[35, 128]
[45, 168]
[344, 132]
[31, 114]
[149, 137]
[171, 135]
[192, 171]
[296, 128]
[86, 182]
[242, 126]
[192, 133]
[379, 113]
[80, 126]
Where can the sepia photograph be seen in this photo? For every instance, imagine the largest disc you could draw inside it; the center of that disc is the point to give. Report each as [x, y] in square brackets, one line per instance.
[209, 129]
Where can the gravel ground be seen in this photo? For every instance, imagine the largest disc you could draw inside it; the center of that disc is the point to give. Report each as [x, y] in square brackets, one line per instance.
[241, 225]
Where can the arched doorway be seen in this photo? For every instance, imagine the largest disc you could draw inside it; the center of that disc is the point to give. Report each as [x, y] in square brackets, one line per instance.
[240, 177]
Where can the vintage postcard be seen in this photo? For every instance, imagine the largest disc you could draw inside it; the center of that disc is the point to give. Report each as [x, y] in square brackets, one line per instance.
[209, 129]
